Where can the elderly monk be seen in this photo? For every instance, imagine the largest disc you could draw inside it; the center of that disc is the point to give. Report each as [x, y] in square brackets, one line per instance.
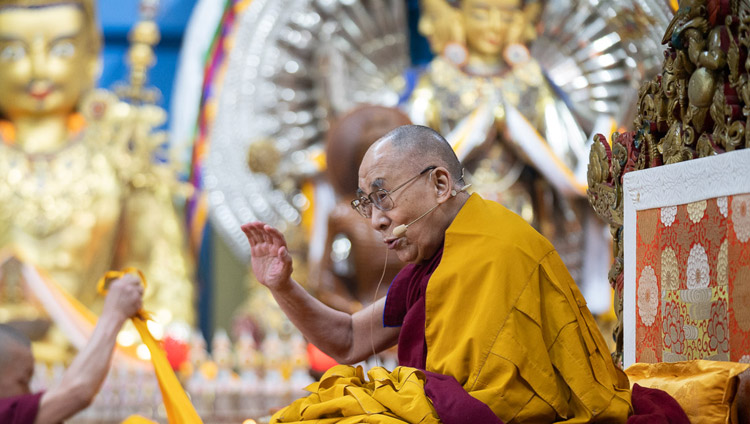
[489, 324]
[81, 380]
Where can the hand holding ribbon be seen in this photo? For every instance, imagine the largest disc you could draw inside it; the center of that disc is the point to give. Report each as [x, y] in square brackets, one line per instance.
[177, 404]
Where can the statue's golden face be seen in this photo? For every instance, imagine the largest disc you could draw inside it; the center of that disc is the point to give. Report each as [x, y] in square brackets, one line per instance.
[46, 62]
[487, 23]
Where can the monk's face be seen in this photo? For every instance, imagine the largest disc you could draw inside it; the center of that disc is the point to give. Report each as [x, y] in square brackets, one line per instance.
[46, 60]
[16, 370]
[385, 167]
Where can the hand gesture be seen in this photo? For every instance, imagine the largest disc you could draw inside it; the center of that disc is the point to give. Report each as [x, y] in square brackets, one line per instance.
[124, 297]
[271, 261]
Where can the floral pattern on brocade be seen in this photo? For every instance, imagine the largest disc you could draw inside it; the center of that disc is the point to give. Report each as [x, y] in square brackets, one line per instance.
[696, 258]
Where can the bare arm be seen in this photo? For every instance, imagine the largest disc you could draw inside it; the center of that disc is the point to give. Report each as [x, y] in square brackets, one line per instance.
[368, 332]
[346, 338]
[84, 377]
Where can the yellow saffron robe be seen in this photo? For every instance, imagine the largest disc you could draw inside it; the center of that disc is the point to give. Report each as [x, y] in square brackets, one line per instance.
[506, 320]
[504, 317]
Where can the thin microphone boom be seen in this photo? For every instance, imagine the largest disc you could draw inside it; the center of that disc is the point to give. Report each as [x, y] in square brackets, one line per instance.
[401, 229]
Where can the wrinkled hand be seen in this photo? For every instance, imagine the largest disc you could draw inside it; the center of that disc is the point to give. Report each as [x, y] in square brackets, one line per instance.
[271, 261]
[124, 297]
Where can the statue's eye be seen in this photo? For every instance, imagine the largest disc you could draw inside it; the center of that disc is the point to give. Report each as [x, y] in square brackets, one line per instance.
[63, 49]
[12, 52]
[480, 14]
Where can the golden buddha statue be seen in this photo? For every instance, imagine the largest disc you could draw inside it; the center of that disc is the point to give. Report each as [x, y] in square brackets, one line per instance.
[81, 192]
[519, 142]
[436, 24]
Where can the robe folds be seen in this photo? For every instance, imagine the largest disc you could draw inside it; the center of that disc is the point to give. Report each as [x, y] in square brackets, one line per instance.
[504, 318]
[344, 396]
[505, 321]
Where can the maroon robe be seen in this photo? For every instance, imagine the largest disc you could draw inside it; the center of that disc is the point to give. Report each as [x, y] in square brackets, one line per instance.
[405, 307]
[20, 409]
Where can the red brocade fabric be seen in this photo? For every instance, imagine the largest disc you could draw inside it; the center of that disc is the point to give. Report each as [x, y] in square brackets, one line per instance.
[693, 281]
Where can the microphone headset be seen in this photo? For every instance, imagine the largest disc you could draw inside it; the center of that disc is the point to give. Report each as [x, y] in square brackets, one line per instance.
[400, 230]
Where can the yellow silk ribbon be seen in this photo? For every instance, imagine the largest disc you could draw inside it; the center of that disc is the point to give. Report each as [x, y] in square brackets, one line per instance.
[178, 406]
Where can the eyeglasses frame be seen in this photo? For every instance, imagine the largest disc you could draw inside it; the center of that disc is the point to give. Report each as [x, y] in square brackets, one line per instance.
[360, 202]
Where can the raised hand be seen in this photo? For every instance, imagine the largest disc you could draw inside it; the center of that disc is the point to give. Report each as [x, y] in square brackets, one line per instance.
[271, 261]
[124, 297]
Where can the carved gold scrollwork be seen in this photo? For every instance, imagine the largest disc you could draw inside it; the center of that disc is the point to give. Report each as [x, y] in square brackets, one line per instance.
[736, 136]
[705, 146]
[699, 106]
[606, 168]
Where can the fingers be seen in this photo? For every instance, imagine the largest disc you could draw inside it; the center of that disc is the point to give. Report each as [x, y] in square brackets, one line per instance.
[128, 282]
[125, 297]
[258, 233]
[283, 253]
[267, 238]
[252, 233]
[274, 236]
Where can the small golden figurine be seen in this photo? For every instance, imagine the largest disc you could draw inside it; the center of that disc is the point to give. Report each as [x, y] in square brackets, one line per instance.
[82, 192]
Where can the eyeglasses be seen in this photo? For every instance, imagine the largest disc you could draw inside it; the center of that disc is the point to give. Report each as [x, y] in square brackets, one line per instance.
[381, 198]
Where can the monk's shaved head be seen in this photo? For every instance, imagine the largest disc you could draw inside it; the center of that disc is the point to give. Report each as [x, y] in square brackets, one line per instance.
[423, 144]
[425, 202]
[16, 362]
[10, 337]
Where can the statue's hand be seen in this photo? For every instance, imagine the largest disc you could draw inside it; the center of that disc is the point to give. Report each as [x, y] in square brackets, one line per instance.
[270, 257]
